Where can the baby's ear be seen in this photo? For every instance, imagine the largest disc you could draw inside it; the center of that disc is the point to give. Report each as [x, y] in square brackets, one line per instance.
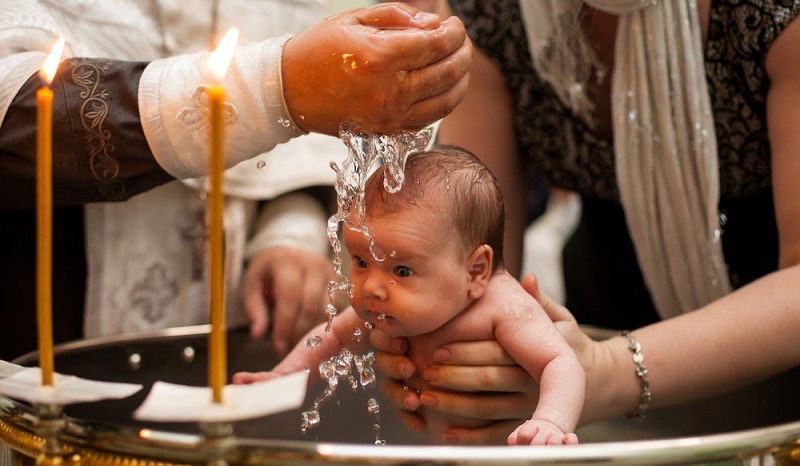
[480, 270]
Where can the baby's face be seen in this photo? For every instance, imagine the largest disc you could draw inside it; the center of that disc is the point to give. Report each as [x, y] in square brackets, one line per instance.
[422, 283]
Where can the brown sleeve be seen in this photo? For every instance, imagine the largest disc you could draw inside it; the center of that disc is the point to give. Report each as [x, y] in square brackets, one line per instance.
[100, 153]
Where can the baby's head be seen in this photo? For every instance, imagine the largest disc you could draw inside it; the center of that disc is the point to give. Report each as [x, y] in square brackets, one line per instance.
[440, 235]
[451, 186]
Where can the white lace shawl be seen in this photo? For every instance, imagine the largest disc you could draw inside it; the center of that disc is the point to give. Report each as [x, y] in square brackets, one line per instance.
[664, 138]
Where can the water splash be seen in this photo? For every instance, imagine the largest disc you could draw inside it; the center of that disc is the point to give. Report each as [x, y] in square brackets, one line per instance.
[374, 410]
[365, 150]
[352, 369]
[357, 334]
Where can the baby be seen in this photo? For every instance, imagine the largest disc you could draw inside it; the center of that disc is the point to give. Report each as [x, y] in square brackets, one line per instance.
[442, 237]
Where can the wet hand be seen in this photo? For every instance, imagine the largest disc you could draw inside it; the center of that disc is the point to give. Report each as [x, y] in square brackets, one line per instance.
[488, 385]
[293, 284]
[388, 67]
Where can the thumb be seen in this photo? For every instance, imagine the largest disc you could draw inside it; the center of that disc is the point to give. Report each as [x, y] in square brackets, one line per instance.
[555, 311]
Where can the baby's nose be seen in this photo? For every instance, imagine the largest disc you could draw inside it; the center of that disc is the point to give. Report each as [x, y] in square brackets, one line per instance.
[374, 286]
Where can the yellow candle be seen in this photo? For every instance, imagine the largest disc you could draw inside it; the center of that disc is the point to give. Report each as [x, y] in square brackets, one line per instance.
[44, 214]
[217, 370]
[44, 228]
[217, 345]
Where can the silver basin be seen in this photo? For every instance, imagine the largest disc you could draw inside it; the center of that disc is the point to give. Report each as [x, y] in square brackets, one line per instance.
[759, 424]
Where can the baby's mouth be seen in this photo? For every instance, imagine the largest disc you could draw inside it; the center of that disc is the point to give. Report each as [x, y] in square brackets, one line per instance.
[381, 316]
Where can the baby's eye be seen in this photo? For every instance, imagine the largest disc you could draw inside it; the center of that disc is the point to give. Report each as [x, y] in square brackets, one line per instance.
[403, 271]
[361, 263]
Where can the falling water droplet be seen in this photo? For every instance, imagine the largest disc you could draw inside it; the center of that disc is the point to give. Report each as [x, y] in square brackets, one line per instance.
[314, 342]
[373, 407]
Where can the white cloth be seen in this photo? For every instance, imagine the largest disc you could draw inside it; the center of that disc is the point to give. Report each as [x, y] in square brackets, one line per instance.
[664, 138]
[142, 253]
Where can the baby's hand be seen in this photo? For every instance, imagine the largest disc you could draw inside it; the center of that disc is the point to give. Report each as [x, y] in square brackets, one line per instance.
[538, 432]
[243, 378]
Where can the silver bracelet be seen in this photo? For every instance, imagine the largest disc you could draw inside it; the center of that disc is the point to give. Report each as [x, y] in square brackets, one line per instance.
[641, 372]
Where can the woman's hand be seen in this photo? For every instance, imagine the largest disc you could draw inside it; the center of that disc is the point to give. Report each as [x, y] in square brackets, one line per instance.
[386, 68]
[478, 379]
[488, 385]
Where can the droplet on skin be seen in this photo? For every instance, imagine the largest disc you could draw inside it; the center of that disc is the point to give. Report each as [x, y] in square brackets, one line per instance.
[261, 165]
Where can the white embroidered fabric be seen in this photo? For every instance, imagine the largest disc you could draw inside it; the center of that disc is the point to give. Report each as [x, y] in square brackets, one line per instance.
[142, 253]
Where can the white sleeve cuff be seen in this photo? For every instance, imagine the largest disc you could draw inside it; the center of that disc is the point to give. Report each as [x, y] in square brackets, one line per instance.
[174, 110]
[294, 220]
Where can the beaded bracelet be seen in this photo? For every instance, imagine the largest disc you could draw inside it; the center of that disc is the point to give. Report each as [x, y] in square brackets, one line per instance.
[641, 372]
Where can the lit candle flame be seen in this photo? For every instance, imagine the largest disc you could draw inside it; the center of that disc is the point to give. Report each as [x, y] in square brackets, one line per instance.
[48, 71]
[44, 214]
[217, 66]
[221, 57]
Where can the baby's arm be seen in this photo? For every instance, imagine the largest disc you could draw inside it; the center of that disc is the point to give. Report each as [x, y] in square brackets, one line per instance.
[302, 357]
[530, 337]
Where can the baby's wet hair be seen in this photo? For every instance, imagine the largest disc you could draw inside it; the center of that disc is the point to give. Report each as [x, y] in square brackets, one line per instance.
[453, 186]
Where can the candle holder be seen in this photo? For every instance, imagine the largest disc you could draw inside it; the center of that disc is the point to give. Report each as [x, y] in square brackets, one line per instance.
[50, 423]
[218, 440]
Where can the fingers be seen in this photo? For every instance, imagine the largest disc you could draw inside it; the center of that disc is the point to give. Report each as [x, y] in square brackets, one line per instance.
[538, 432]
[287, 301]
[299, 291]
[396, 366]
[508, 379]
[424, 47]
[413, 421]
[487, 406]
[493, 434]
[382, 79]
[314, 298]
[435, 108]
[382, 341]
[400, 395]
[255, 304]
[396, 15]
[442, 87]
[474, 353]
[241, 378]
[406, 401]
[296, 283]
